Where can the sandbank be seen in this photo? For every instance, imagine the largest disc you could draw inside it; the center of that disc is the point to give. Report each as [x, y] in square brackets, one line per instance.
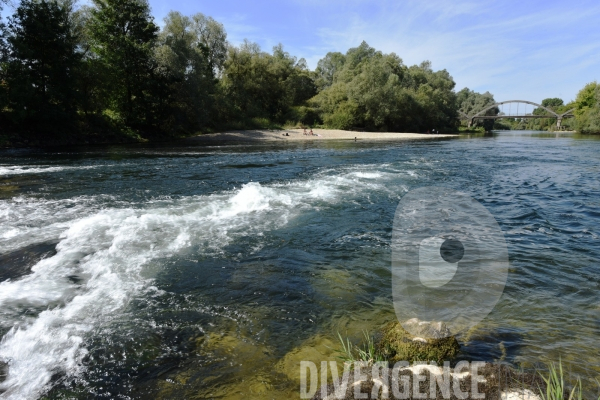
[319, 134]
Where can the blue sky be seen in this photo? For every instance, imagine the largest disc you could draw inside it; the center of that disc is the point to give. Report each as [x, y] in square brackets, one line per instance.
[525, 50]
[516, 49]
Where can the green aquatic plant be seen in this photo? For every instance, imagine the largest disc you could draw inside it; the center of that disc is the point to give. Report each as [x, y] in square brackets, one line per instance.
[555, 385]
[367, 353]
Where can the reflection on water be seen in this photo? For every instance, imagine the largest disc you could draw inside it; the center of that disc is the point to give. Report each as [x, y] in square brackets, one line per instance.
[165, 271]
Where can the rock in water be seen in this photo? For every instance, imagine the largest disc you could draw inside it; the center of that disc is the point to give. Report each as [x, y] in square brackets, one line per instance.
[396, 344]
[427, 329]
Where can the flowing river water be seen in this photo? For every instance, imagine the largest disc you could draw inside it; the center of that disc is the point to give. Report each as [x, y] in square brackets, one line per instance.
[211, 271]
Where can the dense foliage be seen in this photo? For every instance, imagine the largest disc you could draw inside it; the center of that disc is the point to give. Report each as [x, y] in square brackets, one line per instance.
[106, 72]
[587, 109]
[258, 87]
[471, 103]
[41, 65]
[368, 89]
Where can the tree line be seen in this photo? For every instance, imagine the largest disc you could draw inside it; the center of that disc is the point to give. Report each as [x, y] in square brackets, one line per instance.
[106, 71]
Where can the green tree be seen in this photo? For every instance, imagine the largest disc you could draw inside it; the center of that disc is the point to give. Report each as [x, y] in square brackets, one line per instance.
[41, 67]
[587, 109]
[552, 103]
[257, 85]
[374, 91]
[555, 104]
[327, 68]
[190, 54]
[470, 103]
[3, 33]
[123, 36]
[93, 92]
[3, 66]
[586, 99]
[210, 36]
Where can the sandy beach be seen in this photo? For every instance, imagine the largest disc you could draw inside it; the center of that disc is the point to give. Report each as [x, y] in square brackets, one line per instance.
[319, 134]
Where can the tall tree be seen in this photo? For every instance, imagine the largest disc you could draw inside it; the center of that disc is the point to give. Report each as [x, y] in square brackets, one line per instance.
[123, 36]
[41, 64]
[189, 54]
[470, 102]
[3, 67]
[587, 109]
[256, 84]
[327, 67]
[210, 36]
[93, 92]
[2, 35]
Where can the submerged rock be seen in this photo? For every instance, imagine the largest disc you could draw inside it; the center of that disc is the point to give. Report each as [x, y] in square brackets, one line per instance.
[396, 344]
[315, 349]
[226, 366]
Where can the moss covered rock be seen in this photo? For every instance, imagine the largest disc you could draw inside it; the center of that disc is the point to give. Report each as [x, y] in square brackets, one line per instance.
[396, 344]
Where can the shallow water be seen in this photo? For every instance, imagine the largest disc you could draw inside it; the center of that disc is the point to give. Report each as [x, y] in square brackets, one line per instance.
[167, 271]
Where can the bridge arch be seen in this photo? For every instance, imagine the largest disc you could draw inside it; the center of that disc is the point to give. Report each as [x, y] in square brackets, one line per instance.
[482, 112]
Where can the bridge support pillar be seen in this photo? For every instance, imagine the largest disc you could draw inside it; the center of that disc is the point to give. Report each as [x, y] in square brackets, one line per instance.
[558, 122]
[471, 122]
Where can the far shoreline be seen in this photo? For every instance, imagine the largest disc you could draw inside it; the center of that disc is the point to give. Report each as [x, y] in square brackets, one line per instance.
[295, 135]
[16, 141]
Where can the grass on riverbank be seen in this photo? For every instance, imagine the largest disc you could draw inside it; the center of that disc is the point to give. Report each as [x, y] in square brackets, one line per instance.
[367, 353]
[555, 387]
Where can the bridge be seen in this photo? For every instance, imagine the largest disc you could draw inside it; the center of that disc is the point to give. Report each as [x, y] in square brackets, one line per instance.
[519, 115]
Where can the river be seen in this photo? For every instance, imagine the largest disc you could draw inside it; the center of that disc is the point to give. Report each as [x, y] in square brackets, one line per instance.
[161, 271]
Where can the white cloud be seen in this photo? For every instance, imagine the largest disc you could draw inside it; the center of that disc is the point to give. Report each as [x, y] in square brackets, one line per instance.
[522, 54]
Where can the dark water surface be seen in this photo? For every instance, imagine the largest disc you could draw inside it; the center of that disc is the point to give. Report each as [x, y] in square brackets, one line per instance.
[172, 271]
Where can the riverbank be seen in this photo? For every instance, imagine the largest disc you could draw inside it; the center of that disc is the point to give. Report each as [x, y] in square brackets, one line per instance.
[318, 134]
[15, 140]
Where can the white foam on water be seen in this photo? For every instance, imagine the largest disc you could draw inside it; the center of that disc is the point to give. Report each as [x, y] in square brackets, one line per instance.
[39, 169]
[110, 251]
[25, 221]
[368, 175]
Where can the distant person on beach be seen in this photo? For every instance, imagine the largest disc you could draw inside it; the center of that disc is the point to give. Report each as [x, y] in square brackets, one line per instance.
[311, 132]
